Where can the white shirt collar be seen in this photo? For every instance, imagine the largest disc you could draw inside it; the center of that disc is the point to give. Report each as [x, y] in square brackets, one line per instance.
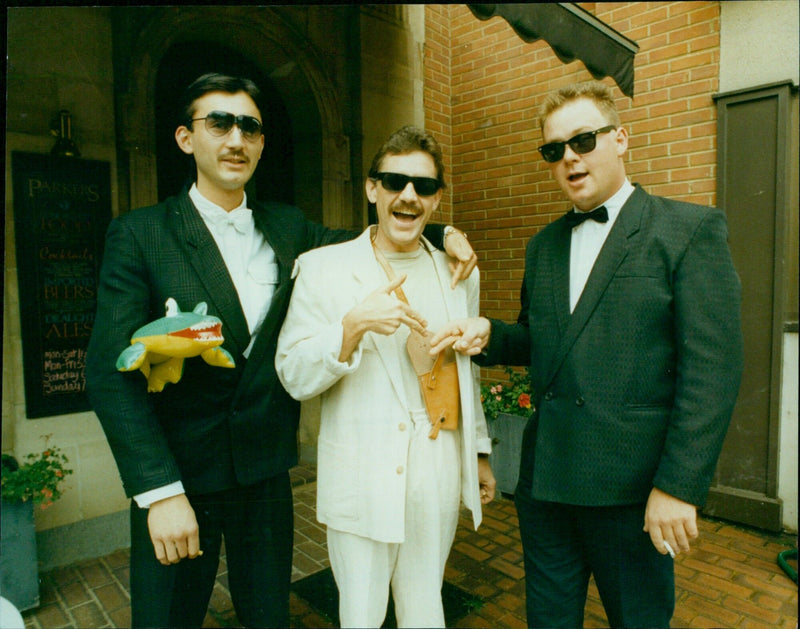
[616, 201]
[209, 209]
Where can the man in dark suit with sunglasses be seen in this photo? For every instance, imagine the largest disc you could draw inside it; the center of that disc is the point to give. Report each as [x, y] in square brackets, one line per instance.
[207, 457]
[630, 322]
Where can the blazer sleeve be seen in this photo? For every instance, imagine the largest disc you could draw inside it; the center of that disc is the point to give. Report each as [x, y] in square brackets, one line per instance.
[509, 343]
[709, 346]
[317, 235]
[119, 399]
[307, 357]
[483, 442]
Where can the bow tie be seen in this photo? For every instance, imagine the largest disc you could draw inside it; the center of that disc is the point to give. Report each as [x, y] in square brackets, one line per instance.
[241, 220]
[576, 218]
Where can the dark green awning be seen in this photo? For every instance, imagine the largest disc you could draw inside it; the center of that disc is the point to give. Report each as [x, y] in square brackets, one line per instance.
[572, 33]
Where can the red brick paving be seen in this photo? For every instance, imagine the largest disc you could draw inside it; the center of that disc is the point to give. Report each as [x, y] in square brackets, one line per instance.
[730, 579]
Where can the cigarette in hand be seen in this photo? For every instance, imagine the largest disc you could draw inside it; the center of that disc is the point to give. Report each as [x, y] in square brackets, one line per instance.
[667, 546]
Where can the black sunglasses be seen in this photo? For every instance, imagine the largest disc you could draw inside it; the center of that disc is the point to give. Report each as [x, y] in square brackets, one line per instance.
[395, 182]
[581, 143]
[220, 123]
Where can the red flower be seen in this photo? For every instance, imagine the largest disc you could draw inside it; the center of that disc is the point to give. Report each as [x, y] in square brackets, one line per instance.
[524, 400]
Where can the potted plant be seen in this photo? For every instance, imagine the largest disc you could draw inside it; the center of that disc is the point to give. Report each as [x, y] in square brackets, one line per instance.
[510, 398]
[507, 406]
[36, 481]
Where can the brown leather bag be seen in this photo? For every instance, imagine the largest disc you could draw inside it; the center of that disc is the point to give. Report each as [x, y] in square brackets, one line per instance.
[438, 382]
[438, 378]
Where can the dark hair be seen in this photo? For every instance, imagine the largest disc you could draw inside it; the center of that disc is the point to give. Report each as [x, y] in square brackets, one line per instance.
[406, 140]
[213, 82]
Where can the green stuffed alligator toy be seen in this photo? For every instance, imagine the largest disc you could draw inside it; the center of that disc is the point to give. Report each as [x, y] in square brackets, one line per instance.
[159, 348]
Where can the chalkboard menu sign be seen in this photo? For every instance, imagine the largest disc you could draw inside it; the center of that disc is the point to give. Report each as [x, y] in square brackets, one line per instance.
[62, 207]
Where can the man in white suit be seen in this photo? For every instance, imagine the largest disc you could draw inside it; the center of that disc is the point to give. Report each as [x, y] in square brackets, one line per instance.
[388, 486]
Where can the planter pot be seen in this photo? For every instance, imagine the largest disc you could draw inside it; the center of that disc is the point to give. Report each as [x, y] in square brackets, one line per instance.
[506, 433]
[19, 570]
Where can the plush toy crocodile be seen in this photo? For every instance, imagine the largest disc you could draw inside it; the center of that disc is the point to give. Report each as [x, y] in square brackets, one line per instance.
[159, 348]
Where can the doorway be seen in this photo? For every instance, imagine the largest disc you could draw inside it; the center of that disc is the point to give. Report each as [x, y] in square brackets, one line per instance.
[753, 174]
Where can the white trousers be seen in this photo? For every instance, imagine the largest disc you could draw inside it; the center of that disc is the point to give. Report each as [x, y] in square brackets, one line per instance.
[364, 568]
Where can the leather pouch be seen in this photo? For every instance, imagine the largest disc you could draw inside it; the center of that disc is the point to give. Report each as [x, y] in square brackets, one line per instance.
[440, 390]
[438, 382]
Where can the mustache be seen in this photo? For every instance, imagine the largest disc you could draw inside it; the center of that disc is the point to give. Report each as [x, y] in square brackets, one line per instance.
[405, 205]
[235, 155]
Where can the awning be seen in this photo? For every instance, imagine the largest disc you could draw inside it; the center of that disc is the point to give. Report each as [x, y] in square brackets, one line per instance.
[572, 33]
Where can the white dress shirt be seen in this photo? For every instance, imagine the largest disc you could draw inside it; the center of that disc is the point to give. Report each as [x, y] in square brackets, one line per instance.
[587, 241]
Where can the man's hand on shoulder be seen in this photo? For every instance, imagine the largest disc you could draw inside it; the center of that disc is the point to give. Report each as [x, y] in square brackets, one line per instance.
[174, 530]
[465, 260]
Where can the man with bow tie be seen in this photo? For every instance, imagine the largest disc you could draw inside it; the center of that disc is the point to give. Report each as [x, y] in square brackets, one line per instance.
[630, 322]
[209, 456]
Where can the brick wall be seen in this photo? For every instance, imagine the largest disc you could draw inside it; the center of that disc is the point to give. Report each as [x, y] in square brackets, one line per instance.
[436, 92]
[483, 87]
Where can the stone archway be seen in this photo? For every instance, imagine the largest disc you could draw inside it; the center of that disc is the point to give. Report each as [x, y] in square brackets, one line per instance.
[321, 149]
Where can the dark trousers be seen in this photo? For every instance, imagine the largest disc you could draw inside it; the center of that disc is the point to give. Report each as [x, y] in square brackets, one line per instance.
[564, 544]
[257, 524]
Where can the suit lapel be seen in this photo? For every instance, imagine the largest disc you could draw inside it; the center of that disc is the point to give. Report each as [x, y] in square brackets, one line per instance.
[205, 258]
[368, 276]
[614, 251]
[560, 275]
[266, 222]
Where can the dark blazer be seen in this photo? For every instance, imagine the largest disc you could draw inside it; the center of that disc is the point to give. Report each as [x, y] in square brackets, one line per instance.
[216, 427]
[636, 387]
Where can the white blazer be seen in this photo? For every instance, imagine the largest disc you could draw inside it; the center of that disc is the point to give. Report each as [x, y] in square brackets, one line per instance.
[365, 422]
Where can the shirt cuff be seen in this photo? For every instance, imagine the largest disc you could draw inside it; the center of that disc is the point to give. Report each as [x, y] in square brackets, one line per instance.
[483, 445]
[147, 498]
[330, 354]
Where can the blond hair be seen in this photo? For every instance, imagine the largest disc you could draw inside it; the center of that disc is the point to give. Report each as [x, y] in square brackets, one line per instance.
[599, 93]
